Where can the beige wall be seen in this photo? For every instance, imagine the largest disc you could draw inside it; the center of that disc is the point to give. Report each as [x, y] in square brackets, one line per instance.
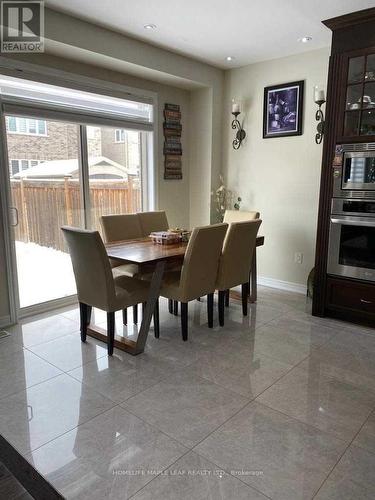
[278, 176]
[201, 156]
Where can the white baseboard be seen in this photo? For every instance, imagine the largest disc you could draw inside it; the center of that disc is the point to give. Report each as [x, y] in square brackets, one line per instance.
[282, 285]
[4, 321]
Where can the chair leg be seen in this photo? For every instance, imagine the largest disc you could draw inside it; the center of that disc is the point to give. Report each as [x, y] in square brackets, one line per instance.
[135, 314]
[125, 317]
[227, 298]
[89, 311]
[83, 313]
[184, 320]
[175, 307]
[170, 306]
[110, 332]
[221, 307]
[143, 308]
[156, 320]
[210, 310]
[244, 289]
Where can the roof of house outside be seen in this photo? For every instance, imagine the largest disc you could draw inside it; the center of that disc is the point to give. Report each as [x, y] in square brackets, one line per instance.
[57, 169]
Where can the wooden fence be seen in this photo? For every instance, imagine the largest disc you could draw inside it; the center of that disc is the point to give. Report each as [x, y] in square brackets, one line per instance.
[46, 205]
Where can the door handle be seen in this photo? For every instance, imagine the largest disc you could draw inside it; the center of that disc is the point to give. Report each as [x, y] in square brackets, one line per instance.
[346, 222]
[363, 301]
[15, 224]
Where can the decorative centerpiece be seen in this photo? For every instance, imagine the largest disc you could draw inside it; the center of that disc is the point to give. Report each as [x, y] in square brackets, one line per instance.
[165, 238]
[170, 237]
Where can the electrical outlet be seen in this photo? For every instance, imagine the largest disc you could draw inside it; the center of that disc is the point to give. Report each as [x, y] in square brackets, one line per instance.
[298, 257]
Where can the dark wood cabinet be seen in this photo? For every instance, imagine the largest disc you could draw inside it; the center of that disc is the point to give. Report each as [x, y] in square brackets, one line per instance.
[350, 118]
[358, 100]
[352, 300]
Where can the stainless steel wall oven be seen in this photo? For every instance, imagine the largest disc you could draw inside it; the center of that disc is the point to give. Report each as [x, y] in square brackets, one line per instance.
[352, 239]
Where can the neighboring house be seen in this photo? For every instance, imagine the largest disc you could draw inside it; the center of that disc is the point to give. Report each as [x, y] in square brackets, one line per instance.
[99, 168]
[122, 146]
[32, 141]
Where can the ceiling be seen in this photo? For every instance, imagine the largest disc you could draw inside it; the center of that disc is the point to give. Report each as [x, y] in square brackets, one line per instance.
[211, 30]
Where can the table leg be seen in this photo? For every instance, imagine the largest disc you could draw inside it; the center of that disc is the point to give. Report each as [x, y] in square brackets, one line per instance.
[153, 296]
[127, 345]
[253, 278]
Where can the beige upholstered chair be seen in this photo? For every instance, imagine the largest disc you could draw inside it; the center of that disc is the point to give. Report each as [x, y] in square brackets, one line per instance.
[239, 215]
[96, 285]
[153, 221]
[199, 272]
[235, 261]
[119, 228]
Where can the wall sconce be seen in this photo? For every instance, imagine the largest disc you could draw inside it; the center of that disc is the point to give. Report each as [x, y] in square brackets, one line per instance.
[319, 99]
[236, 125]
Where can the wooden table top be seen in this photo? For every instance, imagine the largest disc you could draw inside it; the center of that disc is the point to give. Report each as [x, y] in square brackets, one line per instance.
[143, 251]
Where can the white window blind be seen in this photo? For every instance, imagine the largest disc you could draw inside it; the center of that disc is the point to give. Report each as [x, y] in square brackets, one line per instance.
[36, 95]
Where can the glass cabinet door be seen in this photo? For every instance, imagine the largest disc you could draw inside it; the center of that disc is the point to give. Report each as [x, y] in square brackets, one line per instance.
[359, 117]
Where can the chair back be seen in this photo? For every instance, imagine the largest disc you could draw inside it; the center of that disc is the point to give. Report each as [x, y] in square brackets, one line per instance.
[237, 254]
[153, 221]
[239, 215]
[92, 271]
[201, 262]
[121, 227]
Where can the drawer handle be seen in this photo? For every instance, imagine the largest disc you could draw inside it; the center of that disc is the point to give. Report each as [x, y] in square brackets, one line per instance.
[363, 301]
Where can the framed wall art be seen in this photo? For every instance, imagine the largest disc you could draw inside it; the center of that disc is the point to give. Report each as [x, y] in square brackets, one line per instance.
[283, 110]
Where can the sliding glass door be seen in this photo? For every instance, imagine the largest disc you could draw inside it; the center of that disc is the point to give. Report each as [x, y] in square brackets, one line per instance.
[69, 156]
[114, 172]
[45, 193]
[62, 173]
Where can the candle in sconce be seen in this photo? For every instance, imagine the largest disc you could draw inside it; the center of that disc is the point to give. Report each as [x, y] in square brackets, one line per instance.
[235, 107]
[319, 95]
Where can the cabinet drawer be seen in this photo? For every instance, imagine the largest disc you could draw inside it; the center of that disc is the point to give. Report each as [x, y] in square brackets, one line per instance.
[351, 295]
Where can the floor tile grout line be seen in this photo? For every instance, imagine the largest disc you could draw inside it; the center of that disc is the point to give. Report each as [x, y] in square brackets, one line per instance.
[341, 456]
[188, 449]
[98, 392]
[285, 415]
[42, 343]
[292, 367]
[70, 369]
[147, 422]
[26, 454]
[300, 421]
[160, 473]
[68, 430]
[31, 386]
[254, 400]
[230, 474]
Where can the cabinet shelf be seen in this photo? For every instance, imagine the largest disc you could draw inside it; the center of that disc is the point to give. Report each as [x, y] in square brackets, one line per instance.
[359, 104]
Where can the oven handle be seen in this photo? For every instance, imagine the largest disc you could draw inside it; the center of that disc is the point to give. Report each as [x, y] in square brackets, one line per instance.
[346, 222]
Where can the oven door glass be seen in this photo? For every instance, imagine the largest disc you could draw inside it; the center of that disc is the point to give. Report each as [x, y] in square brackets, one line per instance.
[357, 246]
[352, 247]
[359, 172]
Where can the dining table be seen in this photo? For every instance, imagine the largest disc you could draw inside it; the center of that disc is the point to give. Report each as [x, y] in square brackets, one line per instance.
[152, 258]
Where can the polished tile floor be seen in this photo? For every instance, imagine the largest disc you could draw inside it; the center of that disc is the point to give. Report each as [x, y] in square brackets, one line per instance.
[277, 405]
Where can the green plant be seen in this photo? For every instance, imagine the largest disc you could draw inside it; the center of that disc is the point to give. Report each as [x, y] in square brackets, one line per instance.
[223, 200]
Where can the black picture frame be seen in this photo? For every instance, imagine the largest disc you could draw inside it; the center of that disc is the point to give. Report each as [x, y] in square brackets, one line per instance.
[288, 99]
